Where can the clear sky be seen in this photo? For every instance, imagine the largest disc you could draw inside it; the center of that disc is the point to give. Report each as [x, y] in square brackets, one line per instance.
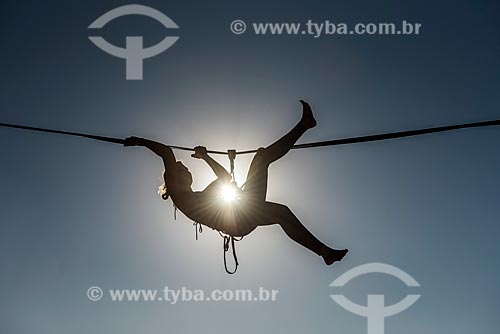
[77, 213]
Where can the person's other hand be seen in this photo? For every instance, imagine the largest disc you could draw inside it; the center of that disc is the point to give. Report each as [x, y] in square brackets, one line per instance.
[200, 152]
[132, 141]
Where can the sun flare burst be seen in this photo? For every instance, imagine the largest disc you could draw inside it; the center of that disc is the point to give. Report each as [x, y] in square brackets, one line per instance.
[228, 193]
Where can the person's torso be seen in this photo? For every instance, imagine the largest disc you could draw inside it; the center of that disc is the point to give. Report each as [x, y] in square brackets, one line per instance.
[209, 209]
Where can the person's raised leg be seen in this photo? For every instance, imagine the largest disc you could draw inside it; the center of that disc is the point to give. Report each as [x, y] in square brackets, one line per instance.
[282, 215]
[283, 145]
[256, 182]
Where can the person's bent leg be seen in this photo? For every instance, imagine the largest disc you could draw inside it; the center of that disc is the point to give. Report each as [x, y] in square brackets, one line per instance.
[292, 226]
[297, 231]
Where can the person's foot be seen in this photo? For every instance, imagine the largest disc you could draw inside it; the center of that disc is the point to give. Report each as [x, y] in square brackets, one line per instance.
[331, 256]
[307, 120]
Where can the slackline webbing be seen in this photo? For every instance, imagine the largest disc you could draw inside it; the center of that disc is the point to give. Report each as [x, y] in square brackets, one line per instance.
[334, 142]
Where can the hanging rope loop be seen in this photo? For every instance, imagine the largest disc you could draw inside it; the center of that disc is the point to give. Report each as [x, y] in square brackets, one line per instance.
[228, 242]
[197, 228]
[231, 154]
[230, 239]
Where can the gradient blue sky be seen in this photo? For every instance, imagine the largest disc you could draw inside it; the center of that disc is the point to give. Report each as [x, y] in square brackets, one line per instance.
[78, 213]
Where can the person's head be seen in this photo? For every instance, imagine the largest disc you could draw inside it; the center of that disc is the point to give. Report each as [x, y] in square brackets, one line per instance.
[183, 180]
[183, 176]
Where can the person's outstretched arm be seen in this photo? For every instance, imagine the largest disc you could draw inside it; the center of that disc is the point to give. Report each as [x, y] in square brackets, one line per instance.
[160, 149]
[200, 152]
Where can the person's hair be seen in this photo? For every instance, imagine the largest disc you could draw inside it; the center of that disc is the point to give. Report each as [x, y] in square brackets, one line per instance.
[162, 190]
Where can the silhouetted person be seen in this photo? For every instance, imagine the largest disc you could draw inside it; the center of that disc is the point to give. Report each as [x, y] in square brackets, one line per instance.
[250, 209]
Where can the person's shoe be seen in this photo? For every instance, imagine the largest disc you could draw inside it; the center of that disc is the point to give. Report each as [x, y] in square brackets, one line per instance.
[307, 120]
[331, 256]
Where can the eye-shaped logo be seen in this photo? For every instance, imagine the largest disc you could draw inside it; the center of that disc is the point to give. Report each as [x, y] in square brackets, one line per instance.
[134, 53]
[375, 310]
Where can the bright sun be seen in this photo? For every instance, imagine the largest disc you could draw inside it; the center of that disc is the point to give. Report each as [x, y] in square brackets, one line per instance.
[228, 193]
